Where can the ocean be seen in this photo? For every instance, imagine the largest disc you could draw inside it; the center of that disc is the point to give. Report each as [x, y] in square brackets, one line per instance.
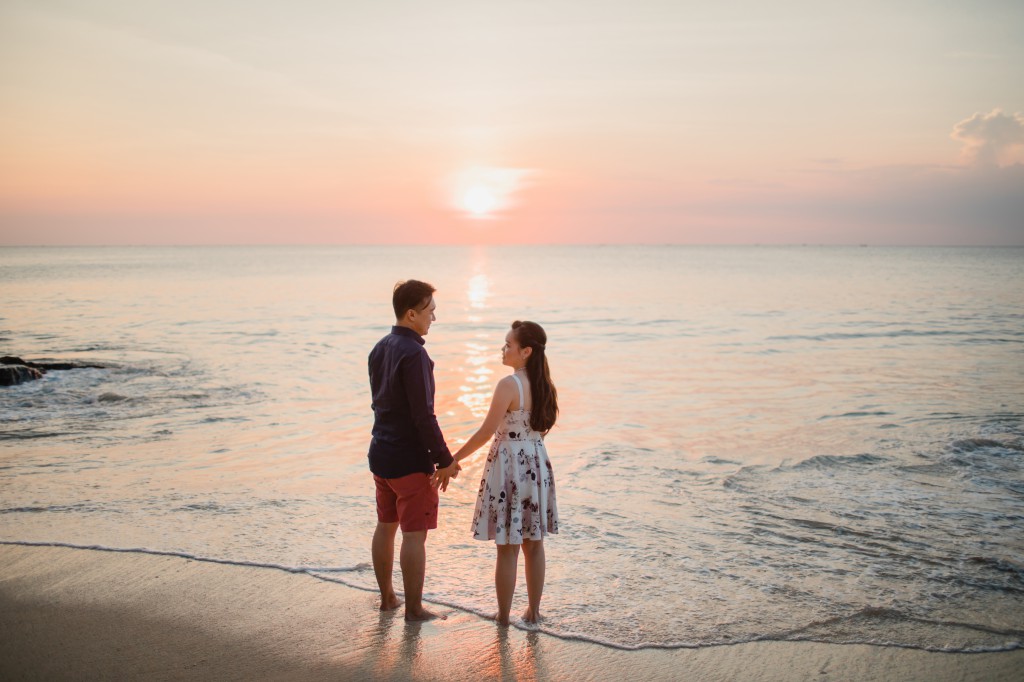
[755, 443]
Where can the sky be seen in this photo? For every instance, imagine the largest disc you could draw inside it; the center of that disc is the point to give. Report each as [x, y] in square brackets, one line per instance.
[562, 121]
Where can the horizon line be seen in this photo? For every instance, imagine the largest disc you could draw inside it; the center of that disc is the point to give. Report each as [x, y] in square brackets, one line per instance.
[514, 245]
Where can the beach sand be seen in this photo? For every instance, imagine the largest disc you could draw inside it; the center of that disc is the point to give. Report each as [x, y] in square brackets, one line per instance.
[80, 614]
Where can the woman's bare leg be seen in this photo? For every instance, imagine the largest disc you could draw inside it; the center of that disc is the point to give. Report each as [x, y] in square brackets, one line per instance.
[505, 570]
[534, 550]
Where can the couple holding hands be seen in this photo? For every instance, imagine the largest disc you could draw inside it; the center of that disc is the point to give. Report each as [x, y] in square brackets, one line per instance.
[409, 459]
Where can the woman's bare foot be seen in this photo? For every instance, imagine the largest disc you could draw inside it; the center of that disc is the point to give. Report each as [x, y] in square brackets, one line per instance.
[529, 616]
[421, 615]
[500, 619]
[390, 603]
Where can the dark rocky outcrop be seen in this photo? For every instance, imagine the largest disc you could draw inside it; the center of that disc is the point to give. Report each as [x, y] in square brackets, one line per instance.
[16, 374]
[15, 370]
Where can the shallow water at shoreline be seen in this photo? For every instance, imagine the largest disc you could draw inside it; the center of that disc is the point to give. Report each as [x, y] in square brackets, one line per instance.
[755, 443]
[126, 615]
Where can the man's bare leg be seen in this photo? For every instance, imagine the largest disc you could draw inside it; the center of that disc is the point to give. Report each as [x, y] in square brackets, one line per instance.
[414, 568]
[383, 551]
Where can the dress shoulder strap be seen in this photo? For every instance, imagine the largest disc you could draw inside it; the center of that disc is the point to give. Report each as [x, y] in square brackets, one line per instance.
[519, 383]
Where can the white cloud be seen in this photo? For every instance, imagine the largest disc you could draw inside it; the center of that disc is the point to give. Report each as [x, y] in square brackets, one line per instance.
[991, 139]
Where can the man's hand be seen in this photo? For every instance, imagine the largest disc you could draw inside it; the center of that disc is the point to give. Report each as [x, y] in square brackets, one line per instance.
[442, 476]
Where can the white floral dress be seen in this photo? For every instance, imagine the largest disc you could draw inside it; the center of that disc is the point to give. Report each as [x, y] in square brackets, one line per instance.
[517, 490]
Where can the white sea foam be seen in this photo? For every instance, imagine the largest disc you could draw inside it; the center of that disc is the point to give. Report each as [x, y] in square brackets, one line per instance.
[194, 557]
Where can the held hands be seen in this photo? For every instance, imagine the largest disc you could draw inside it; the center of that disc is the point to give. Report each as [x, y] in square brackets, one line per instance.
[442, 476]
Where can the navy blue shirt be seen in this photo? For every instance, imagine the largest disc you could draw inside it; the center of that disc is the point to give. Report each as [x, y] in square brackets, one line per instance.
[406, 436]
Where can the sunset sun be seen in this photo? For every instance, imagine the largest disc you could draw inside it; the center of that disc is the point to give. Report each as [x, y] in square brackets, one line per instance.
[486, 192]
[479, 200]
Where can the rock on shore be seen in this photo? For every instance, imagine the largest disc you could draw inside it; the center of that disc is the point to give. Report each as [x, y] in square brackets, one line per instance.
[14, 370]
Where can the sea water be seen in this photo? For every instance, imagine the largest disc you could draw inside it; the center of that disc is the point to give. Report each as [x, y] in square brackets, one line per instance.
[754, 443]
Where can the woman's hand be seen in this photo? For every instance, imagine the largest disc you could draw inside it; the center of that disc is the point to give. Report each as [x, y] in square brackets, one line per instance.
[441, 476]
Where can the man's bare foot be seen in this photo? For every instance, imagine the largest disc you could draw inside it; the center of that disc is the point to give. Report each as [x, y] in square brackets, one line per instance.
[529, 616]
[421, 615]
[390, 603]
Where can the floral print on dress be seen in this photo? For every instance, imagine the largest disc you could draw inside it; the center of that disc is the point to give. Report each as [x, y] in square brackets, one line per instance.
[516, 499]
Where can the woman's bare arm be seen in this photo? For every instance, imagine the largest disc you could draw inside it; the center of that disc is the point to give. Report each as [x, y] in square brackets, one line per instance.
[504, 392]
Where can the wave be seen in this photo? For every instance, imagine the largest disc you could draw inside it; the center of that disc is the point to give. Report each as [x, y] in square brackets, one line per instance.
[80, 507]
[835, 630]
[971, 336]
[972, 444]
[977, 454]
[817, 462]
[111, 397]
[27, 434]
[894, 619]
[194, 557]
[838, 461]
[876, 413]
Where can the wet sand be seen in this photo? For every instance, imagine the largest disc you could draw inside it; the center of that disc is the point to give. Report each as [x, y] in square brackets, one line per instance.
[72, 614]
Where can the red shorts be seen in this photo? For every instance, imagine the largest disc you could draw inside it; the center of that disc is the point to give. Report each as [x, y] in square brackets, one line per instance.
[409, 500]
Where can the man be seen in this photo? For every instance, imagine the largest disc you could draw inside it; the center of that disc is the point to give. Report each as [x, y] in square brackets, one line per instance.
[407, 447]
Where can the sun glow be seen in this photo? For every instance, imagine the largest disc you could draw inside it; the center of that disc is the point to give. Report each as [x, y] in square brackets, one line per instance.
[479, 200]
[487, 192]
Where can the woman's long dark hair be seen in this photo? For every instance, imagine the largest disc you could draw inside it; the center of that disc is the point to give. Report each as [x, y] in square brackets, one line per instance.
[545, 398]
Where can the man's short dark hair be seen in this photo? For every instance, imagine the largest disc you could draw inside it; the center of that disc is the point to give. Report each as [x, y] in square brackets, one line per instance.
[411, 294]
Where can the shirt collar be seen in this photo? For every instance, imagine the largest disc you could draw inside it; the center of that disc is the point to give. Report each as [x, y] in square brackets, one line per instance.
[405, 331]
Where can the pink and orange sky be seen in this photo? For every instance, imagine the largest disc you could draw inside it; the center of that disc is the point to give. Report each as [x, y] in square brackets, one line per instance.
[581, 121]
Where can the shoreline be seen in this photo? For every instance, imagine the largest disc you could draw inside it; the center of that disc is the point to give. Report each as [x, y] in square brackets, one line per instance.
[74, 613]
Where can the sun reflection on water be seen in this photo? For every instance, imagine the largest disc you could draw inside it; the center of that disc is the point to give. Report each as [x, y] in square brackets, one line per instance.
[475, 388]
[478, 289]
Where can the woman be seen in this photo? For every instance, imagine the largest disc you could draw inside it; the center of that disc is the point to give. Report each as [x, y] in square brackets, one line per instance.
[516, 503]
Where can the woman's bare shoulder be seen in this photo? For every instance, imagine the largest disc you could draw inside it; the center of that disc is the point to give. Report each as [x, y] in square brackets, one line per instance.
[505, 383]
